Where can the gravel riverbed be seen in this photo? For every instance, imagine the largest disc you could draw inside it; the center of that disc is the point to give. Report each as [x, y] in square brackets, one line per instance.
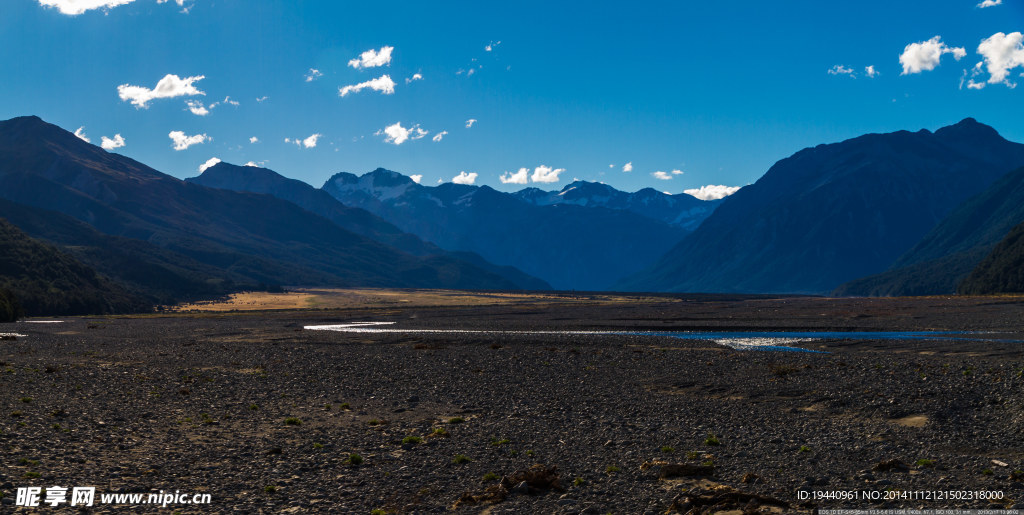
[268, 417]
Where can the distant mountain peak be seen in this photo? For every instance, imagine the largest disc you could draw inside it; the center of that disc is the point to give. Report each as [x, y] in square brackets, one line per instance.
[968, 127]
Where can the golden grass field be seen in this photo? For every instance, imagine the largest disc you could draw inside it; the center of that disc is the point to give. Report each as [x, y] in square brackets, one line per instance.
[337, 298]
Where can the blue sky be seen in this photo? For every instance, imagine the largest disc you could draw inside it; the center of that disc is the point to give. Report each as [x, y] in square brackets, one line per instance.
[716, 90]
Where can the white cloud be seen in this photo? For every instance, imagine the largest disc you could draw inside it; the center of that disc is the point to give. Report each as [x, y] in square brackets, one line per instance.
[712, 192]
[169, 87]
[111, 144]
[254, 139]
[841, 70]
[520, 177]
[990, 3]
[227, 100]
[255, 164]
[871, 72]
[464, 178]
[437, 137]
[661, 175]
[415, 76]
[181, 141]
[416, 178]
[80, 132]
[628, 167]
[1002, 53]
[313, 75]
[396, 134]
[197, 108]
[384, 84]
[76, 7]
[373, 58]
[470, 122]
[310, 142]
[491, 46]
[261, 99]
[209, 162]
[677, 172]
[546, 174]
[925, 55]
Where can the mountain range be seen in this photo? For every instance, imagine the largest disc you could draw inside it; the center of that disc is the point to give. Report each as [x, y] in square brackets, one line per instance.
[903, 213]
[241, 239]
[265, 181]
[587, 239]
[834, 213]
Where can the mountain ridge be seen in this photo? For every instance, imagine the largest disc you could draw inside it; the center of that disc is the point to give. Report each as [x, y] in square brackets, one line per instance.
[569, 246]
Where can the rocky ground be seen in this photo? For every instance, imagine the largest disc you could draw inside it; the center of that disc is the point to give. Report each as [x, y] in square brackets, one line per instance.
[269, 417]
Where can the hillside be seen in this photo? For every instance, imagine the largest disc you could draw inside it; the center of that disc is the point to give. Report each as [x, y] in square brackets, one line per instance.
[1002, 271]
[954, 247]
[46, 281]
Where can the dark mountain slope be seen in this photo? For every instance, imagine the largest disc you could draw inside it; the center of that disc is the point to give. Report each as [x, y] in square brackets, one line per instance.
[954, 247]
[160, 275]
[46, 281]
[835, 212]
[1002, 271]
[261, 238]
[569, 246]
[261, 180]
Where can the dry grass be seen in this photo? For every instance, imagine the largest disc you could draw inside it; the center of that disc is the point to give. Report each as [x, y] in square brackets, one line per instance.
[329, 298]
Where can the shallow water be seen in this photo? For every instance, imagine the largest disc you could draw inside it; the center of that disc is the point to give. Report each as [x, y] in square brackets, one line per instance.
[738, 340]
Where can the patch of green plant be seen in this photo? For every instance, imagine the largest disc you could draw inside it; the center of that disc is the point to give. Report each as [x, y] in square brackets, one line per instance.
[32, 475]
[378, 511]
[25, 462]
[270, 489]
[440, 431]
[987, 472]
[375, 422]
[412, 439]
[456, 420]
[708, 463]
[925, 463]
[355, 459]
[693, 455]
[612, 469]
[668, 449]
[712, 440]
[804, 448]
[491, 476]
[292, 421]
[253, 407]
[498, 443]
[578, 481]
[460, 459]
[26, 400]
[345, 406]
[318, 445]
